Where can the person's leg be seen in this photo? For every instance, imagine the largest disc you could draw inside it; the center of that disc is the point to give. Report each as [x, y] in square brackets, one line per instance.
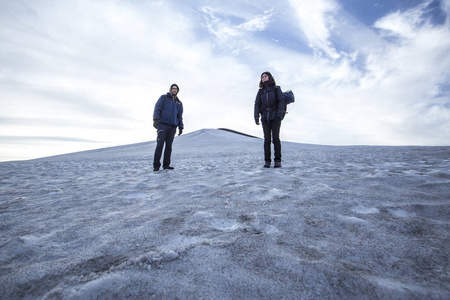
[267, 141]
[276, 139]
[169, 141]
[162, 133]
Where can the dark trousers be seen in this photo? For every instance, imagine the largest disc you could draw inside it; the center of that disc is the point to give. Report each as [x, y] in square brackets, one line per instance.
[166, 134]
[271, 131]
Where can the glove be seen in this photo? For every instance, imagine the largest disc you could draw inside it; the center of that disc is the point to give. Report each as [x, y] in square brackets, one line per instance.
[155, 124]
[257, 121]
[180, 131]
[277, 119]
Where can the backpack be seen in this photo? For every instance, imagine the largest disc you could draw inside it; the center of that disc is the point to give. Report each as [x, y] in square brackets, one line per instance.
[288, 99]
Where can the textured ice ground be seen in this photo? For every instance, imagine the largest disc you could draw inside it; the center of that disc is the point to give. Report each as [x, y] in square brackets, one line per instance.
[333, 223]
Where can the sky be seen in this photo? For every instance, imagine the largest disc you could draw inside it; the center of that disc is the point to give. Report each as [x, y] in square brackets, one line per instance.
[78, 75]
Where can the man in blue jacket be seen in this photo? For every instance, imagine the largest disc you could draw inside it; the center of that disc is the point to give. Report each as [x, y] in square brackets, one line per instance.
[167, 116]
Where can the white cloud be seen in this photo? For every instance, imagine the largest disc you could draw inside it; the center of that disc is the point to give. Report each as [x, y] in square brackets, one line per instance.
[258, 23]
[413, 71]
[315, 20]
[104, 64]
[445, 5]
[107, 63]
[403, 24]
[395, 93]
[233, 35]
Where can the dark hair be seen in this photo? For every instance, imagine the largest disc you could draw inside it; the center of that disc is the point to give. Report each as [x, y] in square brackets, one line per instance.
[170, 90]
[271, 80]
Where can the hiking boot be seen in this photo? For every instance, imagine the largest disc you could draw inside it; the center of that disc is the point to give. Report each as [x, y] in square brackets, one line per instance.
[168, 168]
[277, 164]
[155, 169]
[267, 164]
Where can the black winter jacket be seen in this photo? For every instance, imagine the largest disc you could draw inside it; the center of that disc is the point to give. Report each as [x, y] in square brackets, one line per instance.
[269, 103]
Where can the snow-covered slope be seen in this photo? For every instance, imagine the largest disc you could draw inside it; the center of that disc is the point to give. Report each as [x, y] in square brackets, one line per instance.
[333, 223]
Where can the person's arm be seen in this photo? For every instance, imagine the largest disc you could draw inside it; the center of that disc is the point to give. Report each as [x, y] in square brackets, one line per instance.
[257, 108]
[157, 111]
[180, 119]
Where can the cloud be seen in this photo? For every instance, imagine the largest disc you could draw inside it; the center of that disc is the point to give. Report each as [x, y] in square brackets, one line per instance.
[258, 23]
[316, 19]
[94, 70]
[403, 24]
[107, 63]
[232, 34]
[445, 4]
[393, 92]
[414, 67]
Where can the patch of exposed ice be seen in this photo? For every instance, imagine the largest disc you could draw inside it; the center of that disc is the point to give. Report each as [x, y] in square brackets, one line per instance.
[205, 214]
[400, 213]
[352, 219]
[271, 229]
[365, 210]
[273, 193]
[226, 224]
[137, 196]
[106, 287]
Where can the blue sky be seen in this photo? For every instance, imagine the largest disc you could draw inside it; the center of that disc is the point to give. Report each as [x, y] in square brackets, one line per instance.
[78, 75]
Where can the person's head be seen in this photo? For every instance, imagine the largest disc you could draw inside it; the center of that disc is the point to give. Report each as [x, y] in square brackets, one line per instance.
[266, 77]
[174, 89]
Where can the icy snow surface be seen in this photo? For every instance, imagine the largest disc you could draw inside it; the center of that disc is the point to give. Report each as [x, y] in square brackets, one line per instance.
[332, 223]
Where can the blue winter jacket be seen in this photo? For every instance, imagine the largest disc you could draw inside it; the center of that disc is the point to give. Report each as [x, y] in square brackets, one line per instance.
[169, 111]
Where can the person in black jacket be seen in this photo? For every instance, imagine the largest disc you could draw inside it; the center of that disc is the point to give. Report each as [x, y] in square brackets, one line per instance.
[167, 116]
[269, 104]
